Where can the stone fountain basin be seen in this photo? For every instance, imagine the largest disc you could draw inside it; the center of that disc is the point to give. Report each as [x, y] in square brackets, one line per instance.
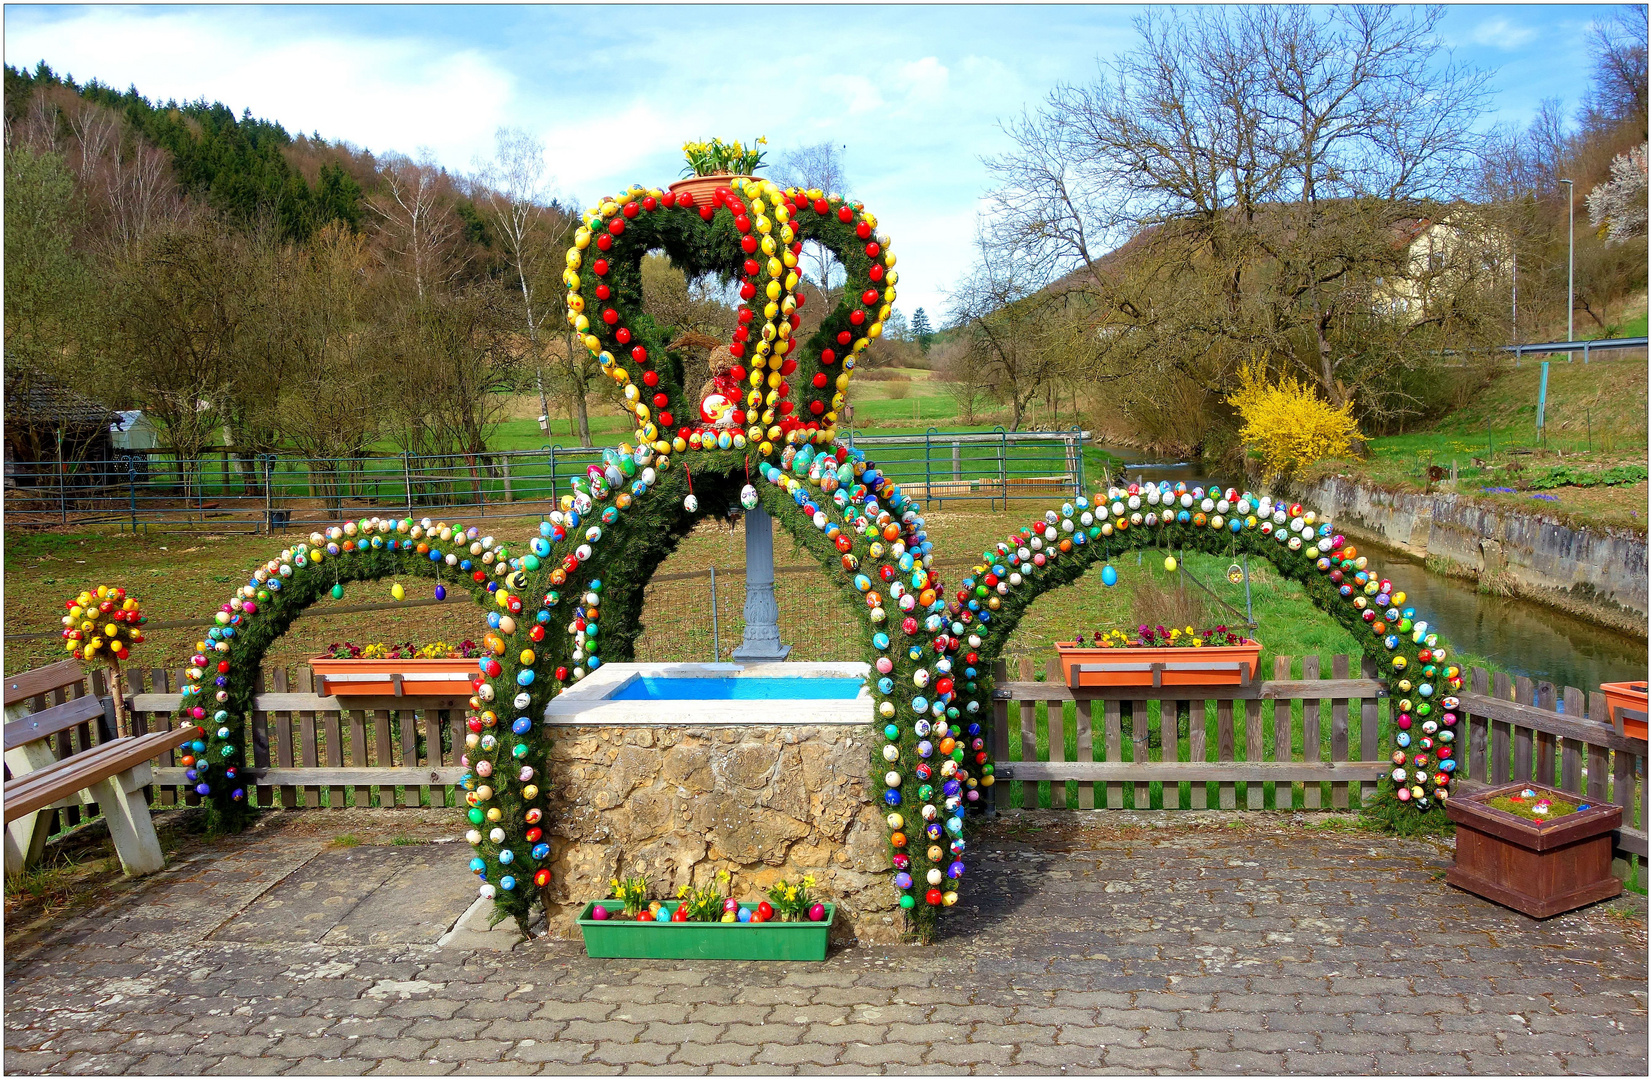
[590, 701]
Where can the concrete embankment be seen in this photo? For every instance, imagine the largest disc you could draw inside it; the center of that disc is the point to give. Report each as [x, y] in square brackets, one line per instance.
[1596, 574]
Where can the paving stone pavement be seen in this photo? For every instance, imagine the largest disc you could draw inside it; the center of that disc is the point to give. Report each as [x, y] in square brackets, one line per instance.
[1095, 943]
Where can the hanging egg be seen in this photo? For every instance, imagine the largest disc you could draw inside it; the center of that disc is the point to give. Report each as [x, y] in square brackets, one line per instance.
[691, 504]
[397, 592]
[1109, 576]
[338, 592]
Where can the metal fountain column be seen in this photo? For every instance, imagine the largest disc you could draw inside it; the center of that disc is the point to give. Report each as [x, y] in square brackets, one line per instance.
[761, 642]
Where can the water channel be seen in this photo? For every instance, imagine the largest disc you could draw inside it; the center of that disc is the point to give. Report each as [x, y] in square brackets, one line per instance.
[1517, 635]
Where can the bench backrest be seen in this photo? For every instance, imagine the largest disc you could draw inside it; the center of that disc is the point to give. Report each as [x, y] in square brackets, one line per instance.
[49, 722]
[44, 680]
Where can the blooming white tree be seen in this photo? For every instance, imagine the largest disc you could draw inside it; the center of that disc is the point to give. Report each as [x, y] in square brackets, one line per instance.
[1617, 207]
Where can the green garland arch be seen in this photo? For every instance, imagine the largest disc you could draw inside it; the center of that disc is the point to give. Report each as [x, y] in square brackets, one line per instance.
[571, 598]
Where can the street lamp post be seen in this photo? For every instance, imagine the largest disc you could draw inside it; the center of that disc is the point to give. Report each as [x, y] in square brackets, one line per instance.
[1570, 214]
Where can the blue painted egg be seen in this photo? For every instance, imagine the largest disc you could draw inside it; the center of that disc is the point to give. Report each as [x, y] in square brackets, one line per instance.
[1109, 575]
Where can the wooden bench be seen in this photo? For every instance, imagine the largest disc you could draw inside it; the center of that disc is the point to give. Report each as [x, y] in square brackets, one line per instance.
[111, 774]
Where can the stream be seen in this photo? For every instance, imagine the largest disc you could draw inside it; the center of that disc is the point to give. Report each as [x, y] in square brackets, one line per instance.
[1519, 636]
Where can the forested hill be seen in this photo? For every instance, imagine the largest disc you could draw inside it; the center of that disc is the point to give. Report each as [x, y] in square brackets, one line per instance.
[247, 168]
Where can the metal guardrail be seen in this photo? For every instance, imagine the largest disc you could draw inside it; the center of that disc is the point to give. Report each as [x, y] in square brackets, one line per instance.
[1569, 347]
[221, 491]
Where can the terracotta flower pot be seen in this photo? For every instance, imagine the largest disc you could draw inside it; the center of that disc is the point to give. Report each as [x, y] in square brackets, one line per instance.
[1207, 665]
[704, 187]
[1541, 868]
[1626, 702]
[395, 678]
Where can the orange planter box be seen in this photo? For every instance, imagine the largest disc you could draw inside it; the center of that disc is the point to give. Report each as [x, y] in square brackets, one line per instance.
[395, 678]
[1623, 698]
[1208, 665]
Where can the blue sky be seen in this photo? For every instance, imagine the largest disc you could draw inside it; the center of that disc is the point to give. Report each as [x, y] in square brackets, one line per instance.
[915, 94]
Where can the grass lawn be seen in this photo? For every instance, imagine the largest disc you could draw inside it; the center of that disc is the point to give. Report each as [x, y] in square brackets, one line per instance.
[1596, 419]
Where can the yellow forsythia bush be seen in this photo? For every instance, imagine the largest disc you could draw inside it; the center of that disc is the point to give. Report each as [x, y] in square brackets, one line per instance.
[1288, 423]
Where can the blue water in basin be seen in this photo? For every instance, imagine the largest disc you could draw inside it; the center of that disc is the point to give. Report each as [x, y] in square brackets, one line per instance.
[734, 688]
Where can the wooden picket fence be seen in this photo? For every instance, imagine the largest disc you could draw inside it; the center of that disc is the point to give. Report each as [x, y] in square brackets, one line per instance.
[1152, 749]
[311, 750]
[1289, 743]
[1304, 741]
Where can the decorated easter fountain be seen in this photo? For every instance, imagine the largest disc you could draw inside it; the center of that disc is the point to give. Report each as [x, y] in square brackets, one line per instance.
[878, 792]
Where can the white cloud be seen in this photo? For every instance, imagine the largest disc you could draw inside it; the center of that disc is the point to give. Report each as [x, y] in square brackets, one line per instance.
[925, 81]
[859, 95]
[1502, 34]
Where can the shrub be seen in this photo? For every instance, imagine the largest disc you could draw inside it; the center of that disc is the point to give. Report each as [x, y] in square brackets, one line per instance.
[1288, 424]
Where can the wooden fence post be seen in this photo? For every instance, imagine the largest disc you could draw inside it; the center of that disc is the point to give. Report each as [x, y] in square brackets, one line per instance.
[1115, 751]
[1086, 788]
[1368, 730]
[1282, 749]
[1000, 732]
[1571, 751]
[1028, 712]
[1225, 791]
[1339, 733]
[1310, 731]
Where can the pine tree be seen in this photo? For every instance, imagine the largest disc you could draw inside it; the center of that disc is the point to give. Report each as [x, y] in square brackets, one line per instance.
[922, 330]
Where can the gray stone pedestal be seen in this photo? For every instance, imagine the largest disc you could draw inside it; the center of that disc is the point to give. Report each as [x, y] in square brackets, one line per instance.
[761, 643]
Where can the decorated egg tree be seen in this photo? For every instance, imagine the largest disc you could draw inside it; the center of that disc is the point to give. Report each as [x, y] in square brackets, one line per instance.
[100, 629]
[571, 598]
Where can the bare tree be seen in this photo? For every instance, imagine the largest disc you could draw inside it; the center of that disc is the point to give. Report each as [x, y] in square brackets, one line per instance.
[467, 352]
[1013, 329]
[818, 167]
[178, 310]
[418, 229]
[1255, 169]
[511, 188]
[967, 380]
[1619, 90]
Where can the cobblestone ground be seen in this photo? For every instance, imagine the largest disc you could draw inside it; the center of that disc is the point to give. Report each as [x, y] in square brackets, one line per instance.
[1226, 944]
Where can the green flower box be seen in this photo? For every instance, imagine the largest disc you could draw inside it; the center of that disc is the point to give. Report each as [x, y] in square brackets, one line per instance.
[616, 938]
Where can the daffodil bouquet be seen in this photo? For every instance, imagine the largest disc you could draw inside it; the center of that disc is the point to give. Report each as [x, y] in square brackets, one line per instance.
[1159, 637]
[705, 904]
[632, 893]
[716, 156]
[792, 902]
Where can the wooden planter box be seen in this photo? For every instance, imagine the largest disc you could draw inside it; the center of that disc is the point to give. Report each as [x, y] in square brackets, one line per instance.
[1626, 702]
[395, 678]
[1539, 868]
[614, 938]
[1212, 665]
